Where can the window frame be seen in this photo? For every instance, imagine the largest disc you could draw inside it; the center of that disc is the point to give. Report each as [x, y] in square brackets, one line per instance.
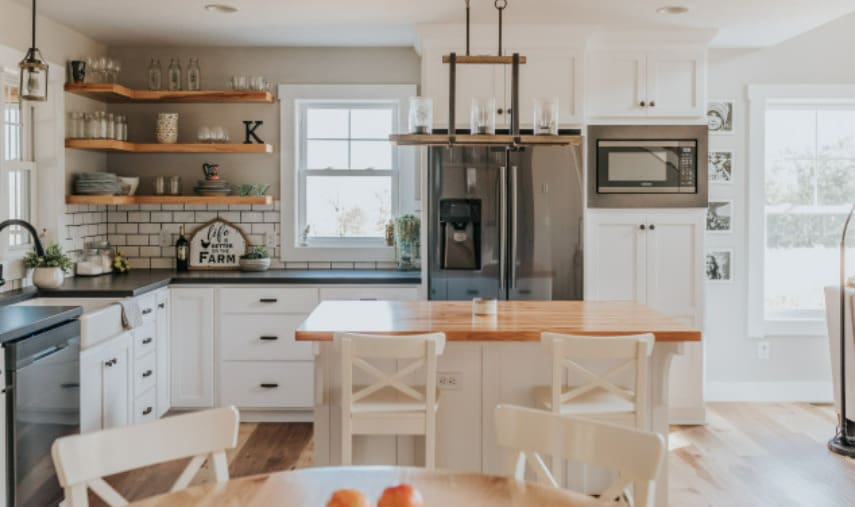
[293, 100]
[761, 99]
[27, 164]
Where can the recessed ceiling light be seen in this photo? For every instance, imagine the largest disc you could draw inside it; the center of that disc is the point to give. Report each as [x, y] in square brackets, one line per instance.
[672, 9]
[221, 8]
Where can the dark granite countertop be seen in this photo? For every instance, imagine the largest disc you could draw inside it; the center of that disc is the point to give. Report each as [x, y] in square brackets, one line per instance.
[141, 281]
[20, 321]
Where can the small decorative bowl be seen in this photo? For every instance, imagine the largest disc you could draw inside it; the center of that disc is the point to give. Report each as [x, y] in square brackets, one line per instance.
[483, 306]
[254, 264]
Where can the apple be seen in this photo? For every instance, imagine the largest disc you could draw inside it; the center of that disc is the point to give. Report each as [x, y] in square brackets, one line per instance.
[348, 498]
[402, 495]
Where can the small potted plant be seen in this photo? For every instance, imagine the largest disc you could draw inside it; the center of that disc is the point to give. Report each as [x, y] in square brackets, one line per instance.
[255, 260]
[48, 271]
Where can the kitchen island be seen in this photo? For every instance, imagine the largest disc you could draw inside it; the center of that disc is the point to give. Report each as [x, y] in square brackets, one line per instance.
[493, 359]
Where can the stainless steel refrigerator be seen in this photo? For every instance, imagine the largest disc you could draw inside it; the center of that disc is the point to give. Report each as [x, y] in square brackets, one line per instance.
[505, 224]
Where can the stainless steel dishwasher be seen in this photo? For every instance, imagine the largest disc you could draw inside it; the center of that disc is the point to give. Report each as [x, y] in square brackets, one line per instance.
[42, 404]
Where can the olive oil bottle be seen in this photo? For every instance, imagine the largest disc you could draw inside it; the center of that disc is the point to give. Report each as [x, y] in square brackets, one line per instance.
[182, 251]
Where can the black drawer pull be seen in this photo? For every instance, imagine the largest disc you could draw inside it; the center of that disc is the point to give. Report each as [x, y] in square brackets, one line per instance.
[147, 411]
[148, 340]
[147, 373]
[268, 338]
[111, 362]
[269, 386]
[161, 305]
[70, 385]
[147, 311]
[268, 300]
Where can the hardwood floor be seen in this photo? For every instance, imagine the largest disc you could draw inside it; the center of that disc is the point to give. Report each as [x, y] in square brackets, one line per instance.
[748, 455]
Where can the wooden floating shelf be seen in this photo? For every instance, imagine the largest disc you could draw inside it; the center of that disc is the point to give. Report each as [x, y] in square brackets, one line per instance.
[483, 60]
[468, 139]
[116, 93]
[124, 146]
[114, 200]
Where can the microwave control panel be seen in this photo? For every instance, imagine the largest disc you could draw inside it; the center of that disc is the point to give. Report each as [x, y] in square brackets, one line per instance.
[687, 167]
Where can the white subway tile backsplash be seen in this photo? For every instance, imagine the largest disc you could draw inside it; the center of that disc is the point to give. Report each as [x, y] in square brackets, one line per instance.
[240, 207]
[139, 216]
[162, 263]
[262, 207]
[149, 251]
[152, 228]
[218, 207]
[205, 216]
[117, 216]
[130, 251]
[127, 228]
[139, 262]
[231, 216]
[271, 216]
[172, 207]
[137, 239]
[195, 207]
[183, 217]
[248, 216]
[263, 229]
[150, 207]
[161, 217]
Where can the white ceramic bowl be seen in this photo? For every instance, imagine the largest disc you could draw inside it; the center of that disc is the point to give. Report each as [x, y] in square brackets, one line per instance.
[254, 264]
[132, 181]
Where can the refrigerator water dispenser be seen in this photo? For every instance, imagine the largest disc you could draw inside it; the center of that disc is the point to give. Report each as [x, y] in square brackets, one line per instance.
[460, 229]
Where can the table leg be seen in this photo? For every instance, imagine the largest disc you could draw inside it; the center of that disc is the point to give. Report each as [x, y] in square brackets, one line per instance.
[321, 417]
[663, 353]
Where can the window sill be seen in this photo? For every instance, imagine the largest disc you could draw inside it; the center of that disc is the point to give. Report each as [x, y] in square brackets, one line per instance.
[802, 328]
[337, 254]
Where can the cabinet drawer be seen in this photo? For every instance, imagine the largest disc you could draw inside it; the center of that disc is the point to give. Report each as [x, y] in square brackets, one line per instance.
[369, 294]
[148, 307]
[145, 374]
[268, 300]
[262, 338]
[259, 384]
[144, 407]
[145, 339]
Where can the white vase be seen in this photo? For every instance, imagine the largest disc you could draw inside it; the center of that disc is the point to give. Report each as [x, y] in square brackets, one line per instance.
[48, 278]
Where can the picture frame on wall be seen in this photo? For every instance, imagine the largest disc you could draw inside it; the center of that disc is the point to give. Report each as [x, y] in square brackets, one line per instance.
[718, 265]
[720, 117]
[721, 166]
[720, 217]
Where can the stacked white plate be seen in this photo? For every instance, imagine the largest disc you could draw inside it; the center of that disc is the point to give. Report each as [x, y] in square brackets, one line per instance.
[97, 184]
[212, 187]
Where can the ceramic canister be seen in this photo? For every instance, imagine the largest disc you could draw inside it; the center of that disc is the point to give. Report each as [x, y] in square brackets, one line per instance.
[167, 128]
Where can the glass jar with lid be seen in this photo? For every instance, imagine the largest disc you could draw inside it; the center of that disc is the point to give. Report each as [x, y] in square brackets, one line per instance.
[89, 263]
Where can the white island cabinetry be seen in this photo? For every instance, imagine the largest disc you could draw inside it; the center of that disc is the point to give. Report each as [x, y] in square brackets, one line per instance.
[192, 361]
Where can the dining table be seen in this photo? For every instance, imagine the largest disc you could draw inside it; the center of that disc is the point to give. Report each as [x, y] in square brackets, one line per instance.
[313, 487]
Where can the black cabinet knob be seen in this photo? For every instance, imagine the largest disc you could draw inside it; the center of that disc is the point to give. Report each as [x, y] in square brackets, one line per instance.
[642, 227]
[146, 341]
[147, 311]
[161, 305]
[643, 104]
[500, 111]
[652, 103]
[147, 373]
[147, 411]
[652, 227]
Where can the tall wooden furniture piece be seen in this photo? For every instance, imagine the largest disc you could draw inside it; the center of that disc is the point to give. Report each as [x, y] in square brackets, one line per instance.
[635, 456]
[83, 460]
[599, 395]
[390, 405]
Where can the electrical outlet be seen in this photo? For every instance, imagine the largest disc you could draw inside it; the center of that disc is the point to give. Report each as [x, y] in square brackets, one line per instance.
[449, 381]
[763, 349]
[270, 240]
[165, 238]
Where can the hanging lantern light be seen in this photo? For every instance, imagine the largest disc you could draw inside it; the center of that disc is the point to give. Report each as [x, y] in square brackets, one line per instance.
[34, 71]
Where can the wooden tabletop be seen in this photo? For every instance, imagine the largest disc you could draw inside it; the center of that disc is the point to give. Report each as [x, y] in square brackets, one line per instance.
[515, 320]
[312, 487]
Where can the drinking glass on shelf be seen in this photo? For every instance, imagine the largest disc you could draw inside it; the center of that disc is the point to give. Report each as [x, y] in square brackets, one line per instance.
[203, 135]
[219, 135]
[483, 116]
[545, 119]
[159, 185]
[238, 82]
[117, 67]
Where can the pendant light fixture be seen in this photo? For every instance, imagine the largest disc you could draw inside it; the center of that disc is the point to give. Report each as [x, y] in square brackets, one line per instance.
[34, 71]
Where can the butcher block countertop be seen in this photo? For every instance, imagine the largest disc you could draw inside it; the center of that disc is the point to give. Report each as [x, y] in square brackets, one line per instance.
[516, 321]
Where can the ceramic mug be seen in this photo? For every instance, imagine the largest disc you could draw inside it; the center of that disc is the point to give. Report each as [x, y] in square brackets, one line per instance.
[78, 70]
[167, 128]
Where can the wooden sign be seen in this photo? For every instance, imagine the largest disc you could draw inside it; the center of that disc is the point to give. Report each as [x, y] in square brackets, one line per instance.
[217, 245]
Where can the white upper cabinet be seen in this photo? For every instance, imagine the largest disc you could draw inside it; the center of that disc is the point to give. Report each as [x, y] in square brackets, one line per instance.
[548, 73]
[666, 83]
[616, 83]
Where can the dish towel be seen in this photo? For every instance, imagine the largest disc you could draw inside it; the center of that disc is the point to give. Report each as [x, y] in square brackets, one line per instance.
[131, 314]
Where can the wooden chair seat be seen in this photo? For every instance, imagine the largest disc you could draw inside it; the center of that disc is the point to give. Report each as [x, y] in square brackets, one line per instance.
[391, 400]
[590, 403]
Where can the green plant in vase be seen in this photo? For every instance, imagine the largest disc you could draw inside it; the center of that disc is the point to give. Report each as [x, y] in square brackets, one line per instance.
[48, 270]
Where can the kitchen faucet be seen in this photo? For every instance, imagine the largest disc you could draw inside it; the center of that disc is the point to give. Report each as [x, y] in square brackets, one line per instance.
[40, 251]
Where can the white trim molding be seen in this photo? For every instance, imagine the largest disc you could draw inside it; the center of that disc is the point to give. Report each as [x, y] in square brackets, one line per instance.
[759, 98]
[405, 178]
[810, 392]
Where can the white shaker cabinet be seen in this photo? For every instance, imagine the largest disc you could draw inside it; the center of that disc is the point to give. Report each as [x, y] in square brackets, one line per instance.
[656, 258]
[471, 81]
[664, 83]
[106, 384]
[192, 347]
[163, 351]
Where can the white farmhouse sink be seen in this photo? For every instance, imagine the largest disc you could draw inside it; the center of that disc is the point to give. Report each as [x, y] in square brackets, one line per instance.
[101, 318]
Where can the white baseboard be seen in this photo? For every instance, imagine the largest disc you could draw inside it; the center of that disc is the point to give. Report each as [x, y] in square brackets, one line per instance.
[257, 416]
[814, 392]
[687, 416]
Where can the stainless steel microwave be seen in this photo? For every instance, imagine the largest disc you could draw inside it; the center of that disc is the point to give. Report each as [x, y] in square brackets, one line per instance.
[647, 166]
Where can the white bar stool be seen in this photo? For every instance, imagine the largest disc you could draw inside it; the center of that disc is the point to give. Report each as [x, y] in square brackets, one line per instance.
[389, 406]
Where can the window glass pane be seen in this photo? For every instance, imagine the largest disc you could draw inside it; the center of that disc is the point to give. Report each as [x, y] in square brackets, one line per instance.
[836, 181]
[836, 133]
[326, 154]
[789, 181]
[371, 155]
[790, 134]
[371, 123]
[348, 206]
[12, 124]
[19, 205]
[326, 123]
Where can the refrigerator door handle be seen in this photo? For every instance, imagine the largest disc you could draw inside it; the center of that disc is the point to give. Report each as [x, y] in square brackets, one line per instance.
[503, 227]
[514, 223]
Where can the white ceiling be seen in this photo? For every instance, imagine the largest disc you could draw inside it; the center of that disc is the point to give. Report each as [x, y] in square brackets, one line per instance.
[740, 23]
